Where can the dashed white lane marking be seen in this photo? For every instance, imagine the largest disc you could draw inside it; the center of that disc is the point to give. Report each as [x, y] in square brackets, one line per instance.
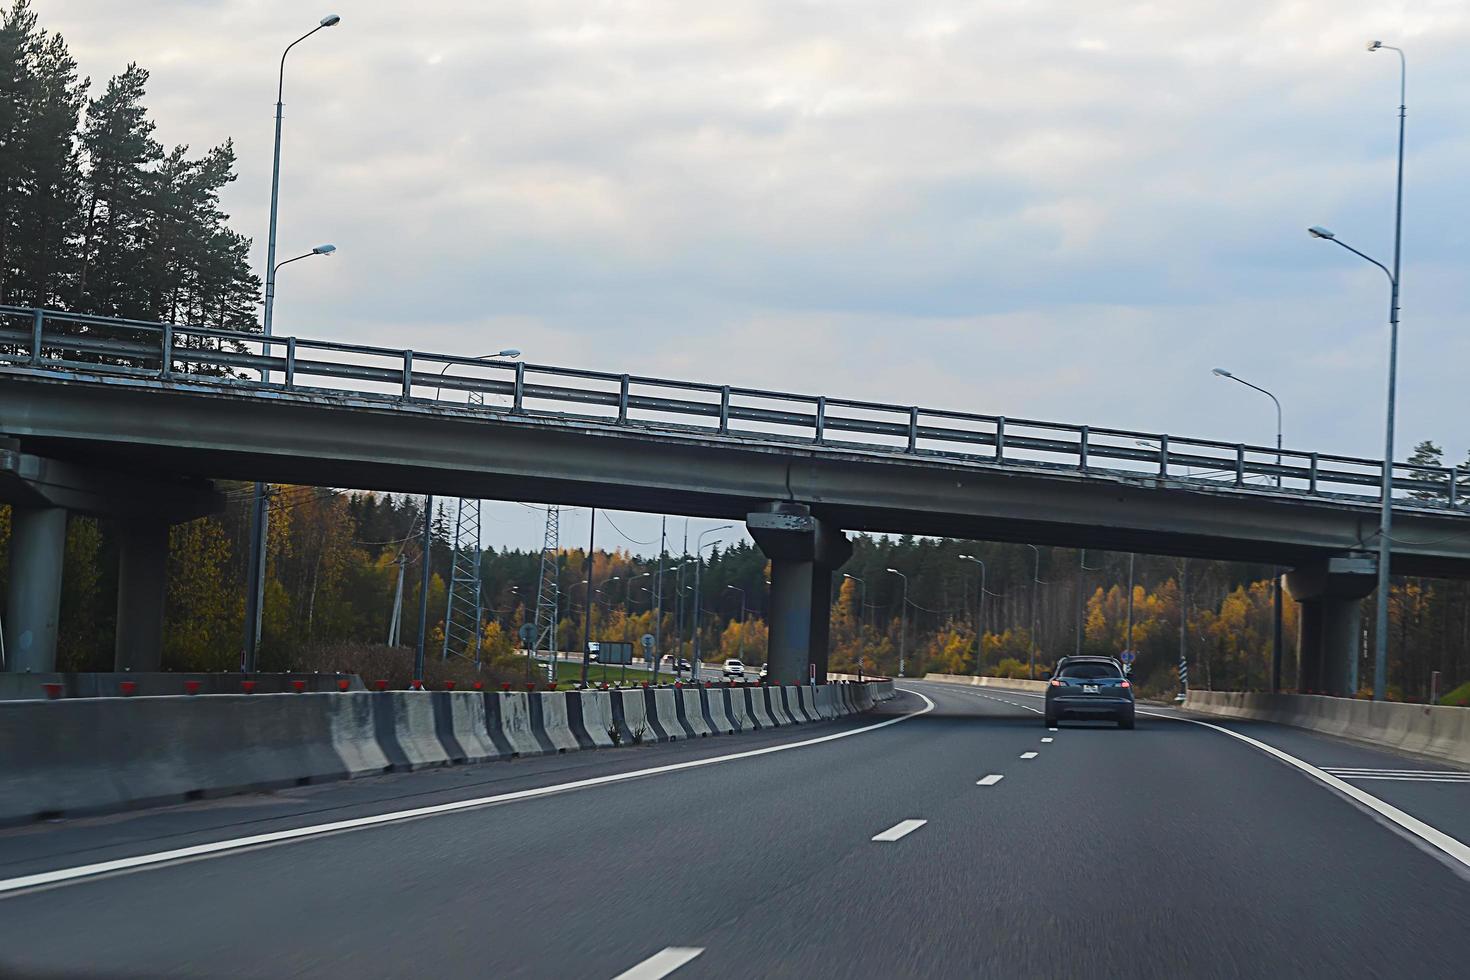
[661, 964]
[990, 780]
[1051, 729]
[901, 829]
[197, 852]
[1028, 755]
[1045, 741]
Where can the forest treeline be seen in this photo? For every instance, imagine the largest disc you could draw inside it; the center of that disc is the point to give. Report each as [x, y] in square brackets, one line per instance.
[334, 560]
[98, 216]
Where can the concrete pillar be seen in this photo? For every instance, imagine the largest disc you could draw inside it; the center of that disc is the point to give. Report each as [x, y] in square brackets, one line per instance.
[33, 601]
[142, 580]
[1330, 631]
[804, 552]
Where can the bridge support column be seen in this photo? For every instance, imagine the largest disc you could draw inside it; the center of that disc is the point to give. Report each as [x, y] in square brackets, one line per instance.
[1330, 632]
[142, 582]
[33, 600]
[804, 552]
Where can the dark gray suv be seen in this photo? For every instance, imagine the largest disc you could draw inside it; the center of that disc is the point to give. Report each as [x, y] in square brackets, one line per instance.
[1089, 687]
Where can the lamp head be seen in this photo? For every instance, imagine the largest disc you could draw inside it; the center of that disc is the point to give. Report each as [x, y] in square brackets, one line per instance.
[1317, 231]
[509, 352]
[331, 20]
[324, 250]
[895, 571]
[1374, 45]
[1221, 373]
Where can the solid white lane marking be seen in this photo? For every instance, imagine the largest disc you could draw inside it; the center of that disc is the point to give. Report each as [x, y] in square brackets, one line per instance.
[198, 851]
[901, 829]
[990, 780]
[1028, 755]
[661, 964]
[1045, 741]
[1433, 837]
[1398, 772]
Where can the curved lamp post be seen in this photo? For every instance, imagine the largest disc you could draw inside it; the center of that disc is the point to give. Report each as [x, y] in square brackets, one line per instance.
[1385, 521]
[1276, 629]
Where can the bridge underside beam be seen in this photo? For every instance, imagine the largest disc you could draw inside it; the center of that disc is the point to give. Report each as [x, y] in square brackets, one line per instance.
[416, 447]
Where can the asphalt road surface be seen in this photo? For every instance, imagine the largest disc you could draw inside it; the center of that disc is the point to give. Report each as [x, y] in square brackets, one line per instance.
[949, 834]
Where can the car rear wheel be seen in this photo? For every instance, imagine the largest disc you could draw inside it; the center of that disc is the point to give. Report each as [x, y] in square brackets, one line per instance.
[1126, 722]
[1049, 721]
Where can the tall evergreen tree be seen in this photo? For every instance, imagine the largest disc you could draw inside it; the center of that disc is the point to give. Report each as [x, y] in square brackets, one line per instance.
[40, 103]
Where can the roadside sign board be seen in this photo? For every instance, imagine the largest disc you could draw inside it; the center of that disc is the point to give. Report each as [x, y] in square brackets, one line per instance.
[609, 652]
[1128, 656]
[647, 641]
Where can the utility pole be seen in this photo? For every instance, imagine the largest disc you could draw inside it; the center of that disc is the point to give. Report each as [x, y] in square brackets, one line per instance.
[396, 620]
[658, 617]
[418, 656]
[587, 630]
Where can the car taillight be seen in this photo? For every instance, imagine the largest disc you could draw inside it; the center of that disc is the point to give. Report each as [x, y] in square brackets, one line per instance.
[1126, 684]
[1055, 682]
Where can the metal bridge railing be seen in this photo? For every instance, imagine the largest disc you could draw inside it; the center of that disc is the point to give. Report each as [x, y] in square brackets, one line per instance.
[82, 344]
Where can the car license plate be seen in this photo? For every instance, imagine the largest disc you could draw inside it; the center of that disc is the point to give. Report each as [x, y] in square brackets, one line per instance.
[1089, 688]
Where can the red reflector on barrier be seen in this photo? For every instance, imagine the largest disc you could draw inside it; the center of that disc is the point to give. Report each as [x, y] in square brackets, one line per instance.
[449, 685]
[53, 691]
[343, 683]
[191, 687]
[479, 685]
[299, 686]
[127, 688]
[505, 686]
[381, 685]
[247, 687]
[531, 687]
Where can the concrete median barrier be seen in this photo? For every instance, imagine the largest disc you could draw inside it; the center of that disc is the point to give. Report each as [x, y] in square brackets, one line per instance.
[549, 721]
[755, 705]
[630, 717]
[690, 705]
[798, 704]
[829, 702]
[1435, 731]
[1015, 684]
[590, 715]
[93, 755]
[508, 720]
[663, 714]
[737, 708]
[776, 706]
[716, 710]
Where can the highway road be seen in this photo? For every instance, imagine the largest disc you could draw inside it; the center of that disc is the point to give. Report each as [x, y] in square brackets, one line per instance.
[948, 834]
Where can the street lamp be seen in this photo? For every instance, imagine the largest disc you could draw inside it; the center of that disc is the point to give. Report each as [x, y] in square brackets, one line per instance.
[1035, 590]
[979, 613]
[259, 512]
[737, 588]
[1276, 617]
[1082, 568]
[1385, 521]
[903, 627]
[331, 20]
[699, 547]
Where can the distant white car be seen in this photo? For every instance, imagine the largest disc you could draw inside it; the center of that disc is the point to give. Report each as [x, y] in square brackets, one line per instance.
[734, 668]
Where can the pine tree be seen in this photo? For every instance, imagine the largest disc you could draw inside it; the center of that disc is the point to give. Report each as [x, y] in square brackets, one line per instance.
[1431, 458]
[40, 102]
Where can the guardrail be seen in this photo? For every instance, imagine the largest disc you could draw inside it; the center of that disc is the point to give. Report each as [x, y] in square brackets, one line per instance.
[83, 344]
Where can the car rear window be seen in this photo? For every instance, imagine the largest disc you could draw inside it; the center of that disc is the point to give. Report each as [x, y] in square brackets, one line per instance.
[1090, 672]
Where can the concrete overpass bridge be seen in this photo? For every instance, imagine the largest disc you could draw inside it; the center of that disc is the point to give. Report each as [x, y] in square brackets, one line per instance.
[132, 420]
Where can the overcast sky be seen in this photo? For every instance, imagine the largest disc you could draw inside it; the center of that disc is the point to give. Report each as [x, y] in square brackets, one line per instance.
[1054, 209]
